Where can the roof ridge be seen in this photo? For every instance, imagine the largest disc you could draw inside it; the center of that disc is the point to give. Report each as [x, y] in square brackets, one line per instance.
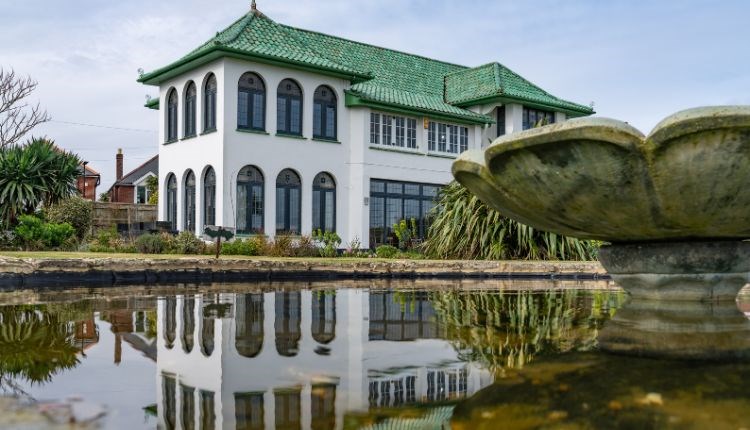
[467, 68]
[528, 81]
[376, 46]
[133, 170]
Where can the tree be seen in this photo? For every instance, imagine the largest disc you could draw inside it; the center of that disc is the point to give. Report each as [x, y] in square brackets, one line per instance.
[464, 227]
[17, 117]
[34, 175]
[152, 184]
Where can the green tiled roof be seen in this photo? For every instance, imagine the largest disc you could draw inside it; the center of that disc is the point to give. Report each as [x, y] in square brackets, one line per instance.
[380, 77]
[469, 86]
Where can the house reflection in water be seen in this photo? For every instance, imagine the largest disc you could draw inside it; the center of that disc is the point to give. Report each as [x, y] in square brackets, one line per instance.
[302, 359]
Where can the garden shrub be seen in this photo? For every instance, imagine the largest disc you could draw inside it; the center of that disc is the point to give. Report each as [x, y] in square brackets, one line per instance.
[151, 244]
[247, 247]
[33, 233]
[282, 246]
[76, 211]
[187, 243]
[330, 241]
[386, 251]
[305, 247]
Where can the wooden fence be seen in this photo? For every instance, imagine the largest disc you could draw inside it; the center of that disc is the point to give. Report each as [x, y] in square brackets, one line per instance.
[126, 217]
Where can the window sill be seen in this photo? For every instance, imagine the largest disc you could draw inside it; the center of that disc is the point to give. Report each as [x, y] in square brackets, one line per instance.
[396, 149]
[324, 140]
[169, 142]
[209, 131]
[442, 155]
[291, 136]
[192, 136]
[251, 131]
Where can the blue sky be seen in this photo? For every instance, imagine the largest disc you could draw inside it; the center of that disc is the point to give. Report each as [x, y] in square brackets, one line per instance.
[638, 61]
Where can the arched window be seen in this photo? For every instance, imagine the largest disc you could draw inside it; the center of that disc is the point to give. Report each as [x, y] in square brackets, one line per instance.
[248, 337]
[191, 99]
[251, 103]
[189, 218]
[324, 113]
[170, 321]
[209, 104]
[207, 325]
[188, 323]
[171, 200]
[250, 201]
[289, 108]
[288, 202]
[287, 323]
[323, 316]
[172, 115]
[324, 203]
[209, 197]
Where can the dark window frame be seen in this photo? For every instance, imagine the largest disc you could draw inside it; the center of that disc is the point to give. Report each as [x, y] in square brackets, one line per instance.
[422, 224]
[210, 91]
[252, 93]
[537, 115]
[173, 102]
[209, 208]
[190, 126]
[323, 198]
[288, 228]
[323, 105]
[171, 200]
[249, 185]
[188, 221]
[287, 100]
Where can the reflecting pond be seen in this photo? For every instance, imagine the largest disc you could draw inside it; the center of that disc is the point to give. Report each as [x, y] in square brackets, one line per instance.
[386, 354]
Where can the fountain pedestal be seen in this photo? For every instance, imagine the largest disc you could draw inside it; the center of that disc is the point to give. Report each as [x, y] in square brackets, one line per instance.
[679, 271]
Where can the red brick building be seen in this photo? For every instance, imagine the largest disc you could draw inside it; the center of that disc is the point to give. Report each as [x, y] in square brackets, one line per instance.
[131, 187]
[87, 181]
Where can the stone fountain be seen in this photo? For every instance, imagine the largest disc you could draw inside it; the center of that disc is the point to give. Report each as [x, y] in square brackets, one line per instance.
[672, 207]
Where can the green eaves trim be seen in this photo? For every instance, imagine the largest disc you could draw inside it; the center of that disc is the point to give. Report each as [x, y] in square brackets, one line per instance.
[354, 100]
[583, 111]
[218, 51]
[152, 104]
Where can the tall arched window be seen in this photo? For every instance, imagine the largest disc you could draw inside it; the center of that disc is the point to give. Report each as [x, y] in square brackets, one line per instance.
[324, 203]
[287, 322]
[209, 197]
[248, 337]
[288, 202]
[289, 108]
[172, 115]
[324, 113]
[251, 103]
[172, 200]
[323, 316]
[250, 201]
[170, 321]
[191, 100]
[188, 323]
[189, 218]
[209, 104]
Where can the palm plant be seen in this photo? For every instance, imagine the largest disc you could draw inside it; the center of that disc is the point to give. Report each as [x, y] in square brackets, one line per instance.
[35, 174]
[464, 227]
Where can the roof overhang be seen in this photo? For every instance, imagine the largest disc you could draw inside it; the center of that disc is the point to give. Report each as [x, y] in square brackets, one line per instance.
[357, 100]
[157, 77]
[504, 99]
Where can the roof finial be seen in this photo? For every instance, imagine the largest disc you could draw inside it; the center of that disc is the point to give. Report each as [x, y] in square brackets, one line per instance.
[253, 7]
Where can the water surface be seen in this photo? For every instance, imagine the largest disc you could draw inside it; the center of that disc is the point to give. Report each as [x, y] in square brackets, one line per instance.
[495, 354]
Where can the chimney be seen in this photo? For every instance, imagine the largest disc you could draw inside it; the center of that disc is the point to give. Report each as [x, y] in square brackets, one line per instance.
[118, 164]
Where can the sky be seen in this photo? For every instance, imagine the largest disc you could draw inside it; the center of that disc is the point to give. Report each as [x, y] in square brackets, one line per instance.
[636, 60]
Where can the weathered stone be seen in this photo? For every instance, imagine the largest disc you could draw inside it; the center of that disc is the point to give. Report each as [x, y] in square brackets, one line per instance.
[597, 178]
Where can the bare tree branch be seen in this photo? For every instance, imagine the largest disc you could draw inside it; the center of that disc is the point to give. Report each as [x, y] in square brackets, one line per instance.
[16, 116]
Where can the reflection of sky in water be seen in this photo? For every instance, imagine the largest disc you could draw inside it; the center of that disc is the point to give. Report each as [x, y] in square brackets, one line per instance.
[313, 358]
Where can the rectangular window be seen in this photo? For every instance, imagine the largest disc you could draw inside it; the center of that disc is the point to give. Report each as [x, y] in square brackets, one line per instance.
[375, 128]
[400, 130]
[141, 195]
[463, 139]
[442, 137]
[296, 126]
[411, 133]
[387, 130]
[258, 105]
[453, 140]
[281, 114]
[432, 137]
[500, 120]
[242, 110]
[536, 118]
[330, 122]
[392, 201]
[317, 119]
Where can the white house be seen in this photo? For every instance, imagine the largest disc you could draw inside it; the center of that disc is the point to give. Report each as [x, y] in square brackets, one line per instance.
[274, 129]
[302, 359]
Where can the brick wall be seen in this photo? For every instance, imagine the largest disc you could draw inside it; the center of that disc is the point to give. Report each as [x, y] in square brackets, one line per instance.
[90, 187]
